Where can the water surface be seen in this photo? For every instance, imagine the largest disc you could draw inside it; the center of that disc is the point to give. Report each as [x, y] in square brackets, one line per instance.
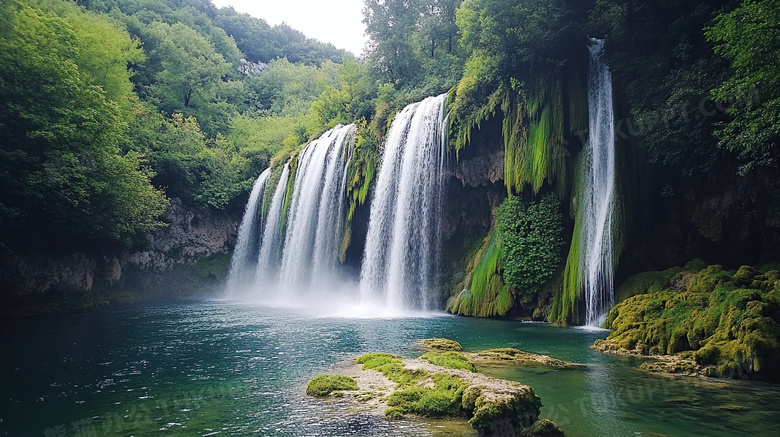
[222, 368]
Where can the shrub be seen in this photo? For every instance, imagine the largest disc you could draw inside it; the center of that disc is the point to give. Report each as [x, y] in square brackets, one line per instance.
[531, 241]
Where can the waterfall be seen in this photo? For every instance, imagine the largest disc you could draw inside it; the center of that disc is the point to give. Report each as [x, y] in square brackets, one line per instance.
[599, 201]
[316, 213]
[251, 227]
[400, 262]
[299, 239]
[270, 244]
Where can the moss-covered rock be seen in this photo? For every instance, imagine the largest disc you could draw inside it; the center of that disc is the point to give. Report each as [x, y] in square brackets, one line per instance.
[443, 344]
[515, 356]
[424, 388]
[729, 321]
[323, 385]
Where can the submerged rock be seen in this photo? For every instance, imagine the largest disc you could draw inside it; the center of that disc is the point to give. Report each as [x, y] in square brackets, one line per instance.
[542, 428]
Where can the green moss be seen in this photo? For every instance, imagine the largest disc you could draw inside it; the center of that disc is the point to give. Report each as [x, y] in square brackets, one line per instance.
[736, 330]
[395, 412]
[521, 410]
[323, 385]
[360, 175]
[487, 294]
[450, 360]
[443, 344]
[392, 367]
[376, 359]
[442, 400]
[647, 282]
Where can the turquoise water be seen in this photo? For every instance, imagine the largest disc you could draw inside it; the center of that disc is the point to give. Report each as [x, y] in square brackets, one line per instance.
[220, 368]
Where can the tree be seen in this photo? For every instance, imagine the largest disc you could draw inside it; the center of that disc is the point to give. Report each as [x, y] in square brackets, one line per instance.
[750, 38]
[64, 177]
[390, 25]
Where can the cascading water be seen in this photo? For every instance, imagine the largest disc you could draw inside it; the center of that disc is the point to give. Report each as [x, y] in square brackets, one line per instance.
[400, 262]
[271, 242]
[288, 257]
[250, 229]
[597, 259]
[316, 211]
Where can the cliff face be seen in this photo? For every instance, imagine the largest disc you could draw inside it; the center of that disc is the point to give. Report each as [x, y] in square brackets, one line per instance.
[191, 254]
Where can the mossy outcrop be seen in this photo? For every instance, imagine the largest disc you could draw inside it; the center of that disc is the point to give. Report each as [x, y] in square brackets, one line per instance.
[443, 344]
[515, 356]
[323, 385]
[398, 388]
[726, 323]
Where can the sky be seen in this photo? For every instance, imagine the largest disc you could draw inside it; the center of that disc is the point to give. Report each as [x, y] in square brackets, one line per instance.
[338, 22]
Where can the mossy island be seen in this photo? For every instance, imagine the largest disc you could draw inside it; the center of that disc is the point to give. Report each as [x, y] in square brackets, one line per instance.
[701, 320]
[443, 383]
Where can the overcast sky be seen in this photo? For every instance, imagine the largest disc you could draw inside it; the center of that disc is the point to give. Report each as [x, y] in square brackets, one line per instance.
[335, 21]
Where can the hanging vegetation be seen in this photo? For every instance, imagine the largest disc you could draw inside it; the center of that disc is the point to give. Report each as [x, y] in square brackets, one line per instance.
[360, 174]
[487, 294]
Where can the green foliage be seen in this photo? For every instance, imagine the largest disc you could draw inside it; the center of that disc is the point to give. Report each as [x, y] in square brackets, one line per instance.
[188, 74]
[450, 360]
[323, 385]
[199, 170]
[65, 179]
[727, 320]
[487, 294]
[750, 38]
[531, 241]
[360, 174]
[261, 42]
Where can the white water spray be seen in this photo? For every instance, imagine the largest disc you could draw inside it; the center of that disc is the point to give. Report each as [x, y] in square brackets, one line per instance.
[401, 258]
[316, 211]
[270, 243]
[250, 229]
[597, 259]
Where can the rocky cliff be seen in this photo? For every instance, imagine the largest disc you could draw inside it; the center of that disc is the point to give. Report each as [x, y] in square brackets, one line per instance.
[190, 255]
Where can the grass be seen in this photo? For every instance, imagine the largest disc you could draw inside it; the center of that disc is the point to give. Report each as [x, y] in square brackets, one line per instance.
[392, 367]
[450, 360]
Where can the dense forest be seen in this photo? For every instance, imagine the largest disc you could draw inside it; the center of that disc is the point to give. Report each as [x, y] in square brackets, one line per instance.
[110, 108]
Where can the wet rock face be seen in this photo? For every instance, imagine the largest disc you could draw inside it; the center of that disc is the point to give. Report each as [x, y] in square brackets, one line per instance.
[22, 276]
[481, 170]
[190, 236]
